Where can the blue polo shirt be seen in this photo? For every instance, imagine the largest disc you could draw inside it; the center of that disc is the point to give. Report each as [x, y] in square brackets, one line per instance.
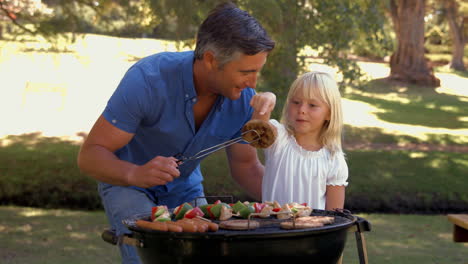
[154, 100]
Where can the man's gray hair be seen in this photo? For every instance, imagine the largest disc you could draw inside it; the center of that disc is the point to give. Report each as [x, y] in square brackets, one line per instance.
[228, 32]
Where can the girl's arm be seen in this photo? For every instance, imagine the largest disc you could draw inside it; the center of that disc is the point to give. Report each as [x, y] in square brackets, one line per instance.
[335, 197]
[263, 104]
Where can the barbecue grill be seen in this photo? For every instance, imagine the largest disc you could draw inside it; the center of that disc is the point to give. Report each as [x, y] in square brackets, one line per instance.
[267, 243]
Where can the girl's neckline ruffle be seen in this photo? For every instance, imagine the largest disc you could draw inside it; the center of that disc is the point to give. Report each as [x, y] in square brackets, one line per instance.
[305, 152]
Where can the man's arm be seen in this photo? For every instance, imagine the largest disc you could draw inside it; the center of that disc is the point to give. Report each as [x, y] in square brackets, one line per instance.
[246, 168]
[335, 197]
[97, 159]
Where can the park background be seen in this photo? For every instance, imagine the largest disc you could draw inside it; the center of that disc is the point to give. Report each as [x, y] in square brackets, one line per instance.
[405, 137]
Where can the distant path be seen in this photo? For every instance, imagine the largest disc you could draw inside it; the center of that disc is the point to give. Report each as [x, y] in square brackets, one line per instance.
[409, 146]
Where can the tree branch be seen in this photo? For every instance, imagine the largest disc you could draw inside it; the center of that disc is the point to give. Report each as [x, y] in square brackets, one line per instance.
[14, 20]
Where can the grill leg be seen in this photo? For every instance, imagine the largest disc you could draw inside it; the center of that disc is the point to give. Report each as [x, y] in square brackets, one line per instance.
[361, 247]
[340, 261]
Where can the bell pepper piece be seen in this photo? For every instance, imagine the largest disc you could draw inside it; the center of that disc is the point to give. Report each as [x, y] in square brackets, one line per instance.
[245, 212]
[194, 212]
[238, 206]
[181, 210]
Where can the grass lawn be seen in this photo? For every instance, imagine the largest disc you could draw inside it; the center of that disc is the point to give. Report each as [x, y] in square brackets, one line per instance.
[33, 236]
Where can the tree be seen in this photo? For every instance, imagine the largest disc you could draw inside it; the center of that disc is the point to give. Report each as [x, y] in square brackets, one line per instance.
[13, 11]
[52, 18]
[408, 63]
[458, 25]
[329, 27]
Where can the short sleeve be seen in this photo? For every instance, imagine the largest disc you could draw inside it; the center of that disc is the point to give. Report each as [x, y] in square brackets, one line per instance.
[126, 107]
[338, 175]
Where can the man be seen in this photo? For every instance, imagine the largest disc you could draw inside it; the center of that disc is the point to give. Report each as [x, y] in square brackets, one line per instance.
[176, 104]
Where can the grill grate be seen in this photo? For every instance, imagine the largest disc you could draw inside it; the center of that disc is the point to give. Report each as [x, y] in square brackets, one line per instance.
[269, 225]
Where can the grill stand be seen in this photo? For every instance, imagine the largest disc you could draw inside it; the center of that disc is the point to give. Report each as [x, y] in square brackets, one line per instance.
[358, 230]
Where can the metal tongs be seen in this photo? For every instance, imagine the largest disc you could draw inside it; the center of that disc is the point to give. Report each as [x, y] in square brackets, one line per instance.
[202, 153]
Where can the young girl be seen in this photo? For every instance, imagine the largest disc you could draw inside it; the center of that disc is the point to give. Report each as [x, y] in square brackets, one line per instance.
[306, 163]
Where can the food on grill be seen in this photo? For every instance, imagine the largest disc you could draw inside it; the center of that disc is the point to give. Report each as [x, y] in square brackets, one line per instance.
[204, 209]
[183, 225]
[186, 225]
[300, 210]
[288, 210]
[218, 210]
[285, 212]
[307, 222]
[180, 210]
[239, 224]
[173, 227]
[263, 210]
[160, 226]
[226, 213]
[276, 206]
[246, 211]
[291, 225]
[213, 227]
[265, 130]
[192, 226]
[186, 218]
[160, 213]
[238, 206]
[194, 212]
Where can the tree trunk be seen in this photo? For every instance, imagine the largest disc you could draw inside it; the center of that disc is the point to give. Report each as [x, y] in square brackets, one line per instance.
[282, 66]
[408, 63]
[458, 37]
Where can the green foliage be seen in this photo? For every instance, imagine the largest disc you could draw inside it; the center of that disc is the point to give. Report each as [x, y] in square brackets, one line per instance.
[329, 27]
[42, 172]
[378, 46]
[417, 181]
[333, 28]
[118, 18]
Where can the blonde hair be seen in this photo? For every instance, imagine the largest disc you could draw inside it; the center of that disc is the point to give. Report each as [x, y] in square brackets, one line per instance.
[322, 86]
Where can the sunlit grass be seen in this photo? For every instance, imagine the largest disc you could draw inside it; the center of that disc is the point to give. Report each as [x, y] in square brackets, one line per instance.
[408, 239]
[31, 235]
[386, 106]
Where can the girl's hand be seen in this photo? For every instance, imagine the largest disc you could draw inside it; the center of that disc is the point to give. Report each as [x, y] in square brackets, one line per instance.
[263, 104]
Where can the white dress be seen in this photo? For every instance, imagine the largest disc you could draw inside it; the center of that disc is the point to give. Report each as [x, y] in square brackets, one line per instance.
[293, 174]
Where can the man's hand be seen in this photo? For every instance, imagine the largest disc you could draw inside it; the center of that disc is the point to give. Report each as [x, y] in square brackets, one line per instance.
[158, 171]
[263, 104]
[97, 159]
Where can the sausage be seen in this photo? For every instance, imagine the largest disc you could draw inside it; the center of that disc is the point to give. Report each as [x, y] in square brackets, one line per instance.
[186, 226]
[160, 226]
[201, 227]
[213, 227]
[173, 227]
